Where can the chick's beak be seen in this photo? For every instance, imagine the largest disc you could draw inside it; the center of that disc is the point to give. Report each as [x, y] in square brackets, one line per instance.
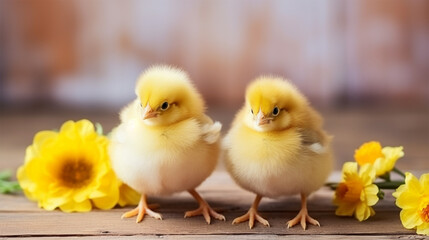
[261, 119]
[148, 112]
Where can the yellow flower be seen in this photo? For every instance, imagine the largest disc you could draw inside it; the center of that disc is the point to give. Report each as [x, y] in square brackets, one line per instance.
[413, 198]
[128, 196]
[382, 159]
[69, 169]
[356, 193]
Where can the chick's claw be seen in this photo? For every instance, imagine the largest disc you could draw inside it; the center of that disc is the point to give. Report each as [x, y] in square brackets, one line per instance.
[303, 218]
[142, 209]
[251, 215]
[204, 209]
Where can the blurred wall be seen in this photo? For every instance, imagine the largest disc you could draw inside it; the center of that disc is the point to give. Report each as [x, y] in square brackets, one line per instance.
[89, 53]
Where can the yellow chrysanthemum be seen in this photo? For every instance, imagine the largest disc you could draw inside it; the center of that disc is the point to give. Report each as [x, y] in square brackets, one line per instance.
[356, 193]
[128, 196]
[69, 169]
[413, 198]
[382, 159]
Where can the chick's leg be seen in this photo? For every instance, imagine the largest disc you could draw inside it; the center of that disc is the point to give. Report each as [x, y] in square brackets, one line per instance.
[142, 209]
[252, 214]
[204, 209]
[303, 216]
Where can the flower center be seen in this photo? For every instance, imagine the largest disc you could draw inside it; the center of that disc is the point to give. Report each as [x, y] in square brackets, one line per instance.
[76, 173]
[349, 191]
[424, 214]
[368, 153]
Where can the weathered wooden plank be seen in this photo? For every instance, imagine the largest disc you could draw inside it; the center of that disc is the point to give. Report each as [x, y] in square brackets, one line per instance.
[239, 237]
[109, 223]
[20, 217]
[222, 193]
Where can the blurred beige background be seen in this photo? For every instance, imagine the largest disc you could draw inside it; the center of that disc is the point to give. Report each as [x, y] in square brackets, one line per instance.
[90, 52]
[364, 64]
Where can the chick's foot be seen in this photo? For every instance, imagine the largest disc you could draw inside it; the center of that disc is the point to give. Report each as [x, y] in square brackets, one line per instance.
[204, 209]
[252, 214]
[142, 209]
[302, 216]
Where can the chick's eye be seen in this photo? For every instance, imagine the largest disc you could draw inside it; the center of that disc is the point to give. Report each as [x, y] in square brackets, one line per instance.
[276, 111]
[164, 106]
[251, 110]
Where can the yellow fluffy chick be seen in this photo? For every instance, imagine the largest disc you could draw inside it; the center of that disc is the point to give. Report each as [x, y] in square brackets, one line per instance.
[276, 147]
[165, 143]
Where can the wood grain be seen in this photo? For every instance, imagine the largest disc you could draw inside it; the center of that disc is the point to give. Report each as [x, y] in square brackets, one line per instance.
[22, 218]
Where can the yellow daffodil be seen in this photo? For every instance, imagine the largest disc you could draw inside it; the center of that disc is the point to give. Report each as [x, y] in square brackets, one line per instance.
[382, 159]
[356, 193]
[413, 198]
[70, 169]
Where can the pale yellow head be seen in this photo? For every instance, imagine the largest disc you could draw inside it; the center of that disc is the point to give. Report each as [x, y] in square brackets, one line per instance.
[167, 96]
[272, 104]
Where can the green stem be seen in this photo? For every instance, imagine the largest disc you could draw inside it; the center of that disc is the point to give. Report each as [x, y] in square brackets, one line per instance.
[389, 185]
[386, 177]
[332, 185]
[399, 172]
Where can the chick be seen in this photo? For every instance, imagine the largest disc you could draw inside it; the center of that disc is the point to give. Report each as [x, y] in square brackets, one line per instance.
[165, 143]
[276, 147]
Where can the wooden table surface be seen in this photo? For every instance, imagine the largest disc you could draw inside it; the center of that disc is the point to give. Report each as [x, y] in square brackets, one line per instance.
[20, 218]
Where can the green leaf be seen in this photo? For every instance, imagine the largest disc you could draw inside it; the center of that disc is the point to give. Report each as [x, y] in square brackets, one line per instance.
[7, 186]
[5, 175]
[99, 128]
[380, 195]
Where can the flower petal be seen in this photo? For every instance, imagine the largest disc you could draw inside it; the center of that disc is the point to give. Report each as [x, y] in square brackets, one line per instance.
[128, 196]
[86, 128]
[412, 183]
[424, 182]
[371, 194]
[380, 166]
[107, 202]
[40, 141]
[401, 189]
[349, 169]
[363, 212]
[345, 209]
[73, 206]
[410, 218]
[423, 229]
[68, 129]
[56, 196]
[408, 200]
[367, 174]
[391, 155]
[80, 195]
